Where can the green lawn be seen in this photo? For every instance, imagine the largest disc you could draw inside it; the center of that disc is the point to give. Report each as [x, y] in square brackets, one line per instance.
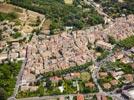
[127, 43]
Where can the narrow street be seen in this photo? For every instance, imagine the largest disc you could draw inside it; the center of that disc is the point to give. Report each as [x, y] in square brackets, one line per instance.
[97, 68]
[42, 22]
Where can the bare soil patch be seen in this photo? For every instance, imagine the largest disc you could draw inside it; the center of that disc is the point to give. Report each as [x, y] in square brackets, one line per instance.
[46, 25]
[68, 1]
[7, 8]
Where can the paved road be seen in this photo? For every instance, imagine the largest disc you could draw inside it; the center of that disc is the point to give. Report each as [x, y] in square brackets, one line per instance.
[95, 74]
[19, 78]
[97, 68]
[41, 24]
[99, 9]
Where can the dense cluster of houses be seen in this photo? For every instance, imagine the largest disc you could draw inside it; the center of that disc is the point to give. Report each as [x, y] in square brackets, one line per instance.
[68, 49]
[122, 28]
[16, 52]
[62, 51]
[11, 49]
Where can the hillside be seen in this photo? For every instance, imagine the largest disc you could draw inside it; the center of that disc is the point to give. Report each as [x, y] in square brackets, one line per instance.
[77, 15]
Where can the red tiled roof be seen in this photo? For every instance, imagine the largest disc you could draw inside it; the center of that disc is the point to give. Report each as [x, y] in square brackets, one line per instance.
[80, 97]
[129, 77]
[114, 82]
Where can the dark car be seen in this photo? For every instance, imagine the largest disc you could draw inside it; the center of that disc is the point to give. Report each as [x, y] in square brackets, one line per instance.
[128, 87]
[119, 91]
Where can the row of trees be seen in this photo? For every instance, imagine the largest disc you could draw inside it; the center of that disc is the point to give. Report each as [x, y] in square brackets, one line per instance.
[69, 70]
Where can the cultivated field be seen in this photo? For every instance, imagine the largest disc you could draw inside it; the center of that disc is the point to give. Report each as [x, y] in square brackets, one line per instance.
[6, 8]
[26, 18]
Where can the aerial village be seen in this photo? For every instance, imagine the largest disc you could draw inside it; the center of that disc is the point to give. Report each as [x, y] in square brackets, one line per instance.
[88, 64]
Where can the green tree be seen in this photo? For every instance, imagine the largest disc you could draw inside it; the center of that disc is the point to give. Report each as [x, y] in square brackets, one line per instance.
[111, 40]
[3, 95]
[99, 49]
[40, 90]
[61, 14]
[0, 34]
[48, 84]
[16, 35]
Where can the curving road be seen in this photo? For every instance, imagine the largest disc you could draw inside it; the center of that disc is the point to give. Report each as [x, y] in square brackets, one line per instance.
[19, 78]
[99, 9]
